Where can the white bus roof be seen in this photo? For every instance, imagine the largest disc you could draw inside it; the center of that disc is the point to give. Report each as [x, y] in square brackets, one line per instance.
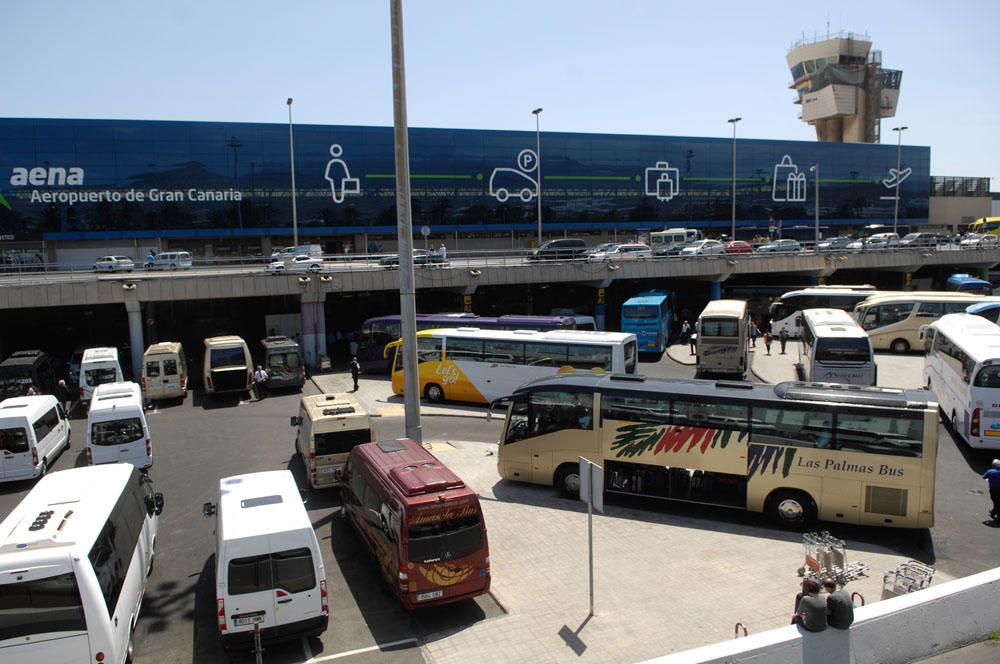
[164, 347]
[75, 504]
[99, 354]
[260, 504]
[578, 336]
[224, 341]
[28, 406]
[831, 290]
[975, 335]
[926, 296]
[833, 323]
[338, 406]
[731, 308]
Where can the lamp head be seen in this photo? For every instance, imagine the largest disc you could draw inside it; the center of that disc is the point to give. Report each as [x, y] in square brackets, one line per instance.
[537, 111]
[734, 120]
[289, 102]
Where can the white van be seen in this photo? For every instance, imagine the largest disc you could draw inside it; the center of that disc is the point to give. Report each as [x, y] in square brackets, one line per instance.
[171, 260]
[288, 253]
[269, 569]
[75, 557]
[117, 430]
[33, 431]
[228, 366]
[164, 371]
[330, 425]
[98, 366]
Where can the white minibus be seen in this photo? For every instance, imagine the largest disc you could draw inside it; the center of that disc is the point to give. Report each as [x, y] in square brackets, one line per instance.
[893, 321]
[329, 426]
[834, 348]
[117, 430]
[962, 367]
[228, 366]
[75, 557]
[171, 260]
[268, 565]
[34, 430]
[721, 343]
[98, 366]
[164, 371]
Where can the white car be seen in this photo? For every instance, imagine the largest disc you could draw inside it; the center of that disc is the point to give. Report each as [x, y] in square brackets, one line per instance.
[628, 251]
[114, 264]
[703, 248]
[300, 263]
[979, 241]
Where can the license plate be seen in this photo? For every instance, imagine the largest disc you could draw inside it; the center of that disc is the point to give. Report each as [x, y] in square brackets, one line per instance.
[327, 470]
[248, 619]
[434, 594]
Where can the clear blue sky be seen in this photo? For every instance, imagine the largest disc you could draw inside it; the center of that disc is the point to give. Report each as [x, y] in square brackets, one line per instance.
[648, 67]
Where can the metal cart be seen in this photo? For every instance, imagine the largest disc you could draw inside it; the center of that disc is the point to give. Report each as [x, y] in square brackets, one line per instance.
[906, 578]
[826, 556]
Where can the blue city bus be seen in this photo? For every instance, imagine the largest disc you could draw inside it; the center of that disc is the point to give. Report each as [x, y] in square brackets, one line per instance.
[966, 283]
[376, 332]
[650, 317]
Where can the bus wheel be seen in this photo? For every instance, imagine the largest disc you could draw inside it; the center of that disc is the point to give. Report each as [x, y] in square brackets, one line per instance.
[900, 346]
[791, 509]
[568, 480]
[434, 393]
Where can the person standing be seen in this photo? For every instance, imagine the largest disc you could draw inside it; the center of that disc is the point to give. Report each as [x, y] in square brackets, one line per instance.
[992, 476]
[260, 382]
[754, 332]
[63, 394]
[442, 252]
[811, 610]
[685, 332]
[783, 339]
[839, 607]
[355, 372]
[767, 341]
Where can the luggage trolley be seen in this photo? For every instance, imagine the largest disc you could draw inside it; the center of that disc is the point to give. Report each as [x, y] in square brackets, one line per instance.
[906, 578]
[826, 555]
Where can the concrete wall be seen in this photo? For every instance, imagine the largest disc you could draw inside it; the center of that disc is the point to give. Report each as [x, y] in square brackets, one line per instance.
[894, 631]
[952, 211]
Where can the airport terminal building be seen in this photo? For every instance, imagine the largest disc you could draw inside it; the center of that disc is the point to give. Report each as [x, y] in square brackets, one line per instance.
[73, 189]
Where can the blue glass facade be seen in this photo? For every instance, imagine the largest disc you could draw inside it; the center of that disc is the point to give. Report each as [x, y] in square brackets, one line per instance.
[96, 179]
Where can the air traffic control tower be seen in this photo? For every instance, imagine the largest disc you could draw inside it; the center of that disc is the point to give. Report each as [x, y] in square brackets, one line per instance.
[842, 88]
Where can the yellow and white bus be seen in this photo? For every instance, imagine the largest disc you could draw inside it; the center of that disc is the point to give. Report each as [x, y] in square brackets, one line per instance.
[962, 367]
[797, 451]
[722, 340]
[475, 365]
[893, 320]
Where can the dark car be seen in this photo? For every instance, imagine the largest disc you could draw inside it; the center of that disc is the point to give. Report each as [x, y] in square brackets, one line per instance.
[563, 249]
[420, 257]
[780, 246]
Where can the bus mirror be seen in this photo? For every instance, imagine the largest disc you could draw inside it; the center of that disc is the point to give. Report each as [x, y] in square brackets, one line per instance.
[296, 421]
[208, 509]
[502, 401]
[158, 503]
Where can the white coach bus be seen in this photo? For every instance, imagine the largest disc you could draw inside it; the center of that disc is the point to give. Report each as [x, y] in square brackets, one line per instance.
[834, 348]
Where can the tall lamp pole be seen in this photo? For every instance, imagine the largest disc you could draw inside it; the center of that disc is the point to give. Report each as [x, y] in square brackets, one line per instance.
[235, 144]
[733, 122]
[899, 154]
[291, 150]
[815, 168]
[538, 169]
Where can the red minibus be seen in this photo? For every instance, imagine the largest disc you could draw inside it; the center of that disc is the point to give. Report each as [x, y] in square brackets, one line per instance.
[419, 520]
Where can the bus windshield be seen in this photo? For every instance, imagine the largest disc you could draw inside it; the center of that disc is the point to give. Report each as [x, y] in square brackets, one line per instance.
[227, 357]
[641, 311]
[720, 327]
[843, 350]
[41, 606]
[445, 540]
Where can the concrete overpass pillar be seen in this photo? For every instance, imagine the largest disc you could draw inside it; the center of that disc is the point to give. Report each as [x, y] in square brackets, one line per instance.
[716, 290]
[134, 309]
[313, 316]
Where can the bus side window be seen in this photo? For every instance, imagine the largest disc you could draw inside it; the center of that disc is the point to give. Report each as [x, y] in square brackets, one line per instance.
[519, 424]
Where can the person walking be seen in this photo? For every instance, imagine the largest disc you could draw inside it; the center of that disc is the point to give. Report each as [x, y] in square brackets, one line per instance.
[783, 339]
[260, 382]
[810, 613]
[767, 341]
[685, 332]
[992, 476]
[64, 396]
[355, 372]
[754, 332]
[839, 607]
[442, 252]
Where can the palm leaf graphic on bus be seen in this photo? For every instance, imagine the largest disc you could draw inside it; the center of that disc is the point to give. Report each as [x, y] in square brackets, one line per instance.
[444, 575]
[762, 456]
[633, 440]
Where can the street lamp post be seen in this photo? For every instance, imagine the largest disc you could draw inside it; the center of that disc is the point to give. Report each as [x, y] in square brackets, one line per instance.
[733, 122]
[899, 153]
[538, 169]
[235, 144]
[815, 168]
[291, 150]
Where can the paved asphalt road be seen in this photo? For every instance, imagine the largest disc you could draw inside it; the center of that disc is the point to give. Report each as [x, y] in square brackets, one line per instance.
[198, 441]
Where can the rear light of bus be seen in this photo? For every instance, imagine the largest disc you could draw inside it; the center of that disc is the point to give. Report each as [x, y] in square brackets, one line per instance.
[221, 604]
[249, 379]
[324, 598]
[487, 568]
[143, 383]
[34, 456]
[99, 656]
[974, 426]
[149, 447]
[208, 379]
[90, 457]
[81, 393]
[404, 581]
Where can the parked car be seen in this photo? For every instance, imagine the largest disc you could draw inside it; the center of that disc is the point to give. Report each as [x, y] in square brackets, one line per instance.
[875, 242]
[979, 241]
[300, 263]
[601, 248]
[420, 257]
[737, 247]
[780, 246]
[924, 239]
[834, 243]
[562, 249]
[628, 251]
[114, 264]
[703, 248]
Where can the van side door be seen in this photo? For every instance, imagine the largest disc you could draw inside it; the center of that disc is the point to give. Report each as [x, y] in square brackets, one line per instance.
[296, 591]
[15, 453]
